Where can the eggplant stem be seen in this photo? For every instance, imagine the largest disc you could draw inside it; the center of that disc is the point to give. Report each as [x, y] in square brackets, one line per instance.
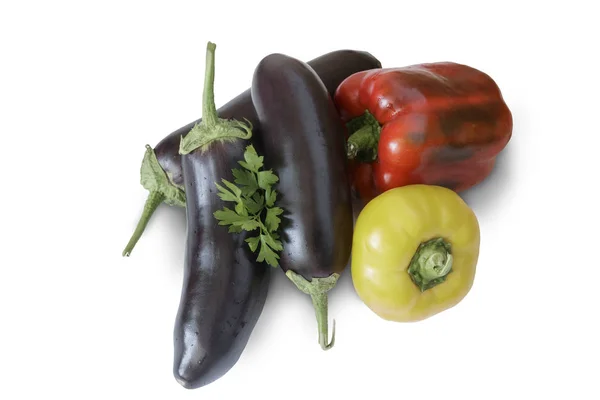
[155, 198]
[319, 301]
[209, 109]
[212, 128]
[317, 288]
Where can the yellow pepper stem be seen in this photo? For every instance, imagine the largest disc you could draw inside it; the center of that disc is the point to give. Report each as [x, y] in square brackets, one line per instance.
[431, 263]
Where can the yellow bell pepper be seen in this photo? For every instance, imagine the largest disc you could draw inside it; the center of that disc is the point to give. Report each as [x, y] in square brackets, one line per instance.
[414, 253]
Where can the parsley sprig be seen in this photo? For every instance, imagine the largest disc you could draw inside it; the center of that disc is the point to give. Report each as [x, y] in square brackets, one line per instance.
[254, 198]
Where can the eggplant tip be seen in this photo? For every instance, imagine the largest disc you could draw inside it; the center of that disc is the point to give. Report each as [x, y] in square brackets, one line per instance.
[184, 382]
[192, 381]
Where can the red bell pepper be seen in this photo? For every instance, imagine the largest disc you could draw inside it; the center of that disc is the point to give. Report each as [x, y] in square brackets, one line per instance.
[438, 123]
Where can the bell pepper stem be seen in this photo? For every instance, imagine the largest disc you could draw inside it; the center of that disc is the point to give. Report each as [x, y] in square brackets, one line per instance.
[155, 198]
[362, 141]
[431, 263]
[364, 138]
[317, 288]
[212, 128]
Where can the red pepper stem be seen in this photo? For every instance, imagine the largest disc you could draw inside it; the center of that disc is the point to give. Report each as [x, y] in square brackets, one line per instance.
[364, 139]
[362, 142]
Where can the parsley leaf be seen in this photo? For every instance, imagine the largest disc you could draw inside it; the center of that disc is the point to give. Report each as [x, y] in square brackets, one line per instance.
[246, 180]
[227, 216]
[250, 225]
[235, 229]
[253, 162]
[234, 189]
[270, 197]
[240, 208]
[274, 244]
[253, 243]
[266, 253]
[272, 220]
[255, 209]
[255, 204]
[266, 179]
[225, 194]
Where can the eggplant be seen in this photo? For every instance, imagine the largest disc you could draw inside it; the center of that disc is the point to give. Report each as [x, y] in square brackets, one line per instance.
[161, 170]
[224, 287]
[303, 140]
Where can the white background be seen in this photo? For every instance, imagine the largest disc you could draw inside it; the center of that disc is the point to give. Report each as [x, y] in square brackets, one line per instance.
[85, 85]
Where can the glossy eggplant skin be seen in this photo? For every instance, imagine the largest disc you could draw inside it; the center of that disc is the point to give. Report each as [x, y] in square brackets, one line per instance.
[332, 68]
[224, 288]
[303, 140]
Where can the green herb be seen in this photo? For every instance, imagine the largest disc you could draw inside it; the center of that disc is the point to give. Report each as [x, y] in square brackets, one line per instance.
[255, 208]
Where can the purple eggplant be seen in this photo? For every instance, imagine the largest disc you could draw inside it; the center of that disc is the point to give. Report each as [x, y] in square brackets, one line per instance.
[224, 286]
[303, 141]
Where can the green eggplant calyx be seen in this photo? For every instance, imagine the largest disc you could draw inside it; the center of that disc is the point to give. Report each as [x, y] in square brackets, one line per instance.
[154, 179]
[431, 263]
[162, 190]
[317, 288]
[364, 138]
[212, 128]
